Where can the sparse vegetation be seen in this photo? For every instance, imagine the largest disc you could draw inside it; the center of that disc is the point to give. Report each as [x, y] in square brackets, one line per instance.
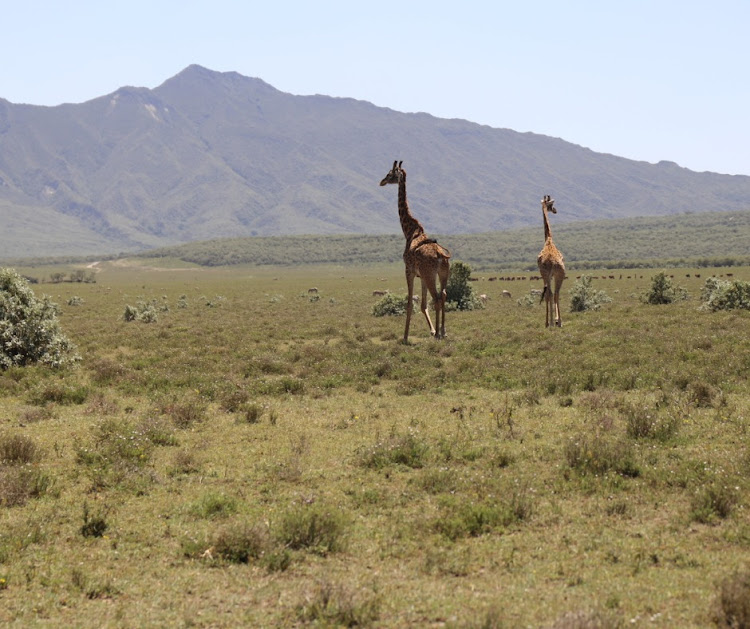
[354, 480]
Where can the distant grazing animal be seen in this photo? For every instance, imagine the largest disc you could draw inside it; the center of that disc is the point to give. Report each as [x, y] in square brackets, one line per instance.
[379, 293]
[551, 267]
[423, 258]
[506, 293]
[312, 291]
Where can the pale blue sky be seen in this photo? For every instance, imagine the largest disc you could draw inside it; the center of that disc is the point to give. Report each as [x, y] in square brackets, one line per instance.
[645, 79]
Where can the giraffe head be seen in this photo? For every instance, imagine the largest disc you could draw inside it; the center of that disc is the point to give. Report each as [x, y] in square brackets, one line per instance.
[394, 174]
[548, 203]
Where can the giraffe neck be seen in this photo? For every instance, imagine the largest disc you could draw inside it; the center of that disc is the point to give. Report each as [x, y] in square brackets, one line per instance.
[547, 231]
[410, 225]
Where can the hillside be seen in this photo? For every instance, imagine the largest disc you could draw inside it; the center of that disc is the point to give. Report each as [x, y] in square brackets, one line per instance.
[209, 155]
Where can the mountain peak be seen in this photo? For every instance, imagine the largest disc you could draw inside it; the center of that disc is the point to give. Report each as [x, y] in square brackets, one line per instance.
[235, 156]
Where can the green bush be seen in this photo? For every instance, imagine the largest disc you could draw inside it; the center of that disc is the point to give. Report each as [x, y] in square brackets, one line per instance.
[144, 311]
[390, 305]
[583, 297]
[719, 294]
[663, 291]
[459, 291]
[29, 330]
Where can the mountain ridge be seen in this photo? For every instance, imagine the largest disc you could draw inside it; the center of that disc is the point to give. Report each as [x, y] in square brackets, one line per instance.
[216, 154]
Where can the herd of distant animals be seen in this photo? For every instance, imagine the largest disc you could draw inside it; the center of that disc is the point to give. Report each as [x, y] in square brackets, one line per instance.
[426, 259]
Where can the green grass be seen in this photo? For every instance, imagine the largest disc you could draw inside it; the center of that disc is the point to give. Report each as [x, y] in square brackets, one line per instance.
[257, 458]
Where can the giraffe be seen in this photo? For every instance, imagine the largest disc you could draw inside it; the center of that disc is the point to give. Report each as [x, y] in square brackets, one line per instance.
[423, 257]
[551, 265]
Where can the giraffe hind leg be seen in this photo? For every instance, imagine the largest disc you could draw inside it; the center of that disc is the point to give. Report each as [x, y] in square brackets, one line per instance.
[558, 316]
[409, 304]
[423, 307]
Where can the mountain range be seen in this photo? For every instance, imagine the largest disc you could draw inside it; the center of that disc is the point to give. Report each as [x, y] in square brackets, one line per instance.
[210, 155]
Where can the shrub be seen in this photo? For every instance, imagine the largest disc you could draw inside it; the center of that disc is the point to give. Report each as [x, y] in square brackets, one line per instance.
[212, 505]
[595, 455]
[397, 449]
[20, 483]
[185, 413]
[58, 393]
[529, 300]
[93, 525]
[339, 606]
[470, 519]
[119, 451]
[644, 422]
[719, 294]
[663, 291]
[583, 297]
[459, 291]
[144, 311]
[390, 305]
[17, 450]
[29, 330]
[241, 542]
[313, 527]
[711, 501]
[732, 606]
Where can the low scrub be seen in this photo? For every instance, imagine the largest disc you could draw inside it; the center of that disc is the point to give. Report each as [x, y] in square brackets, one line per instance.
[21, 483]
[597, 455]
[713, 501]
[397, 449]
[241, 542]
[584, 297]
[732, 605]
[718, 294]
[473, 519]
[333, 605]
[315, 527]
[17, 449]
[390, 306]
[29, 330]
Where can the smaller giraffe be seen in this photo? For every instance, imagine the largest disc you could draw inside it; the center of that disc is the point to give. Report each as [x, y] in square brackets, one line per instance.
[551, 266]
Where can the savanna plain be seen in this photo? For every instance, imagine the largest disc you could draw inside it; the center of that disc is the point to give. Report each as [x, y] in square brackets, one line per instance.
[255, 453]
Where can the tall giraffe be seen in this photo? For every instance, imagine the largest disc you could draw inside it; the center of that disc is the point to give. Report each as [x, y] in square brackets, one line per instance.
[423, 257]
[551, 266]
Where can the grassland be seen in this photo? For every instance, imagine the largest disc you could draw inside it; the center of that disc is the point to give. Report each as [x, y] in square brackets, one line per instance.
[264, 456]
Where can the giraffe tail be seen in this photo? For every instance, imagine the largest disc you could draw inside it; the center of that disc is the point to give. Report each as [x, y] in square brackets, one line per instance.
[444, 252]
[544, 292]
